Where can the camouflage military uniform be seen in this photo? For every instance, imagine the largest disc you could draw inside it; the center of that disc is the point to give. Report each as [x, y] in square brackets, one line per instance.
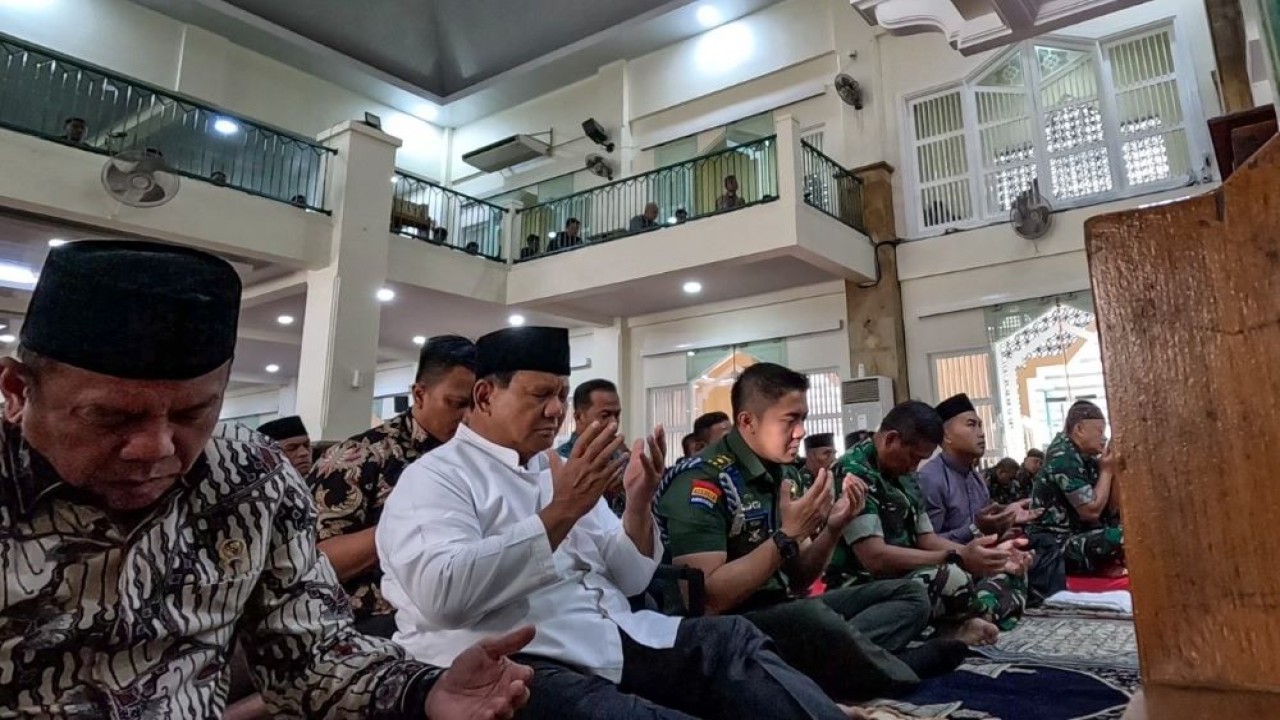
[1018, 489]
[1065, 482]
[895, 511]
[726, 500]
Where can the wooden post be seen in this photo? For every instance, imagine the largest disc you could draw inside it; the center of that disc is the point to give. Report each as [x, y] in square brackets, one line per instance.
[1188, 300]
[877, 340]
[1226, 27]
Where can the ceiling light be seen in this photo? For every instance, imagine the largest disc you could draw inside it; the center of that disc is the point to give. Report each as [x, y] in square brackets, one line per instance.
[7, 338]
[285, 319]
[15, 274]
[386, 295]
[709, 16]
[691, 353]
[693, 287]
[226, 126]
[419, 340]
[395, 179]
[273, 368]
[57, 242]
[515, 320]
[3, 326]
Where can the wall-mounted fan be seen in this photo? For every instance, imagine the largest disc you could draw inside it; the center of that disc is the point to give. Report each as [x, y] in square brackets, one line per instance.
[139, 178]
[849, 90]
[1031, 215]
[599, 166]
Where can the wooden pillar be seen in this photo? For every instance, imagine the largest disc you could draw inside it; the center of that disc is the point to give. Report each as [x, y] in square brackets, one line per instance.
[1226, 27]
[876, 338]
[1188, 300]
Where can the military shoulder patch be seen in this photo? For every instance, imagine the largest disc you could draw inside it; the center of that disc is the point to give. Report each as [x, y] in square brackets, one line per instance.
[705, 493]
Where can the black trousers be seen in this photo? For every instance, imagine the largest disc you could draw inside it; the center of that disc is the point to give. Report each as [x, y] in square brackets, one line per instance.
[721, 668]
[845, 639]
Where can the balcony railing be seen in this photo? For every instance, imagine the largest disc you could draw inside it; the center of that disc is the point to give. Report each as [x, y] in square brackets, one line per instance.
[58, 98]
[670, 195]
[831, 188]
[424, 210]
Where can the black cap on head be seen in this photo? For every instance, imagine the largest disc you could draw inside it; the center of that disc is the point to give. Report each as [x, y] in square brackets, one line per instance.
[537, 349]
[953, 406]
[819, 440]
[134, 310]
[284, 428]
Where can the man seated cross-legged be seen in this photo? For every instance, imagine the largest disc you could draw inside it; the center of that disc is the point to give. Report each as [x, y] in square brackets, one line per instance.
[739, 514]
[969, 584]
[491, 531]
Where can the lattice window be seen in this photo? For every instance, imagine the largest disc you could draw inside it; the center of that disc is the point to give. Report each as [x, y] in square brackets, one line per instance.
[825, 413]
[941, 160]
[672, 406]
[1092, 121]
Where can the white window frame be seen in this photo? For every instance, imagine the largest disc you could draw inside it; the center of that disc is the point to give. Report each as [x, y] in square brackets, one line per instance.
[836, 417]
[1188, 95]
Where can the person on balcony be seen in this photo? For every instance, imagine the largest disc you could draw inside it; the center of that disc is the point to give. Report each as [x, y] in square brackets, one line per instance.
[75, 130]
[647, 220]
[730, 199]
[294, 441]
[141, 538]
[352, 480]
[739, 513]
[682, 216]
[571, 236]
[532, 246]
[493, 531]
[974, 587]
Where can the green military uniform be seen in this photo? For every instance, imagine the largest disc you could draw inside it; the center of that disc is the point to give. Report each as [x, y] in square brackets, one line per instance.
[895, 511]
[726, 500]
[1067, 481]
[1018, 489]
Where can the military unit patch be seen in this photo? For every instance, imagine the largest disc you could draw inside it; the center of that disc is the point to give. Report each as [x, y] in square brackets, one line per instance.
[705, 493]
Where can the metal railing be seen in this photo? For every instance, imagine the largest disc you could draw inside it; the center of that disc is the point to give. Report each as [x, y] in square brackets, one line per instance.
[424, 210]
[59, 98]
[678, 193]
[831, 188]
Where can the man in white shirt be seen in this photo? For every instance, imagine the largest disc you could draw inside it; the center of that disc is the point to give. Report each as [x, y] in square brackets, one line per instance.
[490, 532]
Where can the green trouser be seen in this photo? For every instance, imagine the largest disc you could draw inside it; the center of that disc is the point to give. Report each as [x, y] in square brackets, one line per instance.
[845, 639]
[955, 595]
[1088, 552]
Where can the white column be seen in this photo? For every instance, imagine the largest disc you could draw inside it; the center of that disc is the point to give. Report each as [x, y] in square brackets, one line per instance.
[512, 238]
[340, 334]
[790, 165]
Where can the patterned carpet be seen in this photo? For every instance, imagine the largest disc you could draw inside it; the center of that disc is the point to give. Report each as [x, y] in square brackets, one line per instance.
[1053, 666]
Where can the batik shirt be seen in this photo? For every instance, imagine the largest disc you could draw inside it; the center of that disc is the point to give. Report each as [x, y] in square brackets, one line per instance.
[894, 511]
[725, 499]
[352, 481]
[1065, 482]
[614, 497]
[100, 619]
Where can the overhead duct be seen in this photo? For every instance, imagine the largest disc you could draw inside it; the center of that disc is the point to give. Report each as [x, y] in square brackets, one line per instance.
[507, 153]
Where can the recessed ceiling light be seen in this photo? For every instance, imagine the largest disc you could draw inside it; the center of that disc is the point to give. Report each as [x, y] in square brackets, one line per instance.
[57, 242]
[709, 16]
[285, 319]
[226, 126]
[273, 368]
[386, 295]
[693, 287]
[419, 340]
[515, 320]
[3, 326]
[691, 353]
[395, 179]
[7, 338]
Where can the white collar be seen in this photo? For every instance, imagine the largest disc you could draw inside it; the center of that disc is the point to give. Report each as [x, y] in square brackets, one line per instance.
[503, 454]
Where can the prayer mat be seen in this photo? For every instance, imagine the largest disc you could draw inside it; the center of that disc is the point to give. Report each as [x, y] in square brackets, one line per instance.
[987, 690]
[1068, 641]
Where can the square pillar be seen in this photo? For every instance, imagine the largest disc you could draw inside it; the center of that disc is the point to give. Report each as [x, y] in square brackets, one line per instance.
[340, 334]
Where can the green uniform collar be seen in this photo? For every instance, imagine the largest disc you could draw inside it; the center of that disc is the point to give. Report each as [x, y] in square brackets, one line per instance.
[753, 468]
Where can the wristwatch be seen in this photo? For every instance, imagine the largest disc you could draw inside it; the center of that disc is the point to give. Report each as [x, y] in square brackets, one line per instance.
[787, 547]
[953, 558]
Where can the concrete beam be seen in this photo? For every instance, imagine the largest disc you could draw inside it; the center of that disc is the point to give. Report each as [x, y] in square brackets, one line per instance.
[271, 290]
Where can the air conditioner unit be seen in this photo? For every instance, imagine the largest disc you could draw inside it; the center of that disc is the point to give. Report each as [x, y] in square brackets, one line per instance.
[865, 402]
[506, 153]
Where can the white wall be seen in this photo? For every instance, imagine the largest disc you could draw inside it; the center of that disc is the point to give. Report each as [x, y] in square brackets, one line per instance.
[134, 41]
[812, 320]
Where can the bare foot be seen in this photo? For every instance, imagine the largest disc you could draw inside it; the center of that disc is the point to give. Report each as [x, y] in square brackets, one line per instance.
[854, 713]
[974, 631]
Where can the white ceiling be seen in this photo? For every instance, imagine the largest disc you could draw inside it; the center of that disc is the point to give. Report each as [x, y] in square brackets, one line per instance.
[501, 59]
